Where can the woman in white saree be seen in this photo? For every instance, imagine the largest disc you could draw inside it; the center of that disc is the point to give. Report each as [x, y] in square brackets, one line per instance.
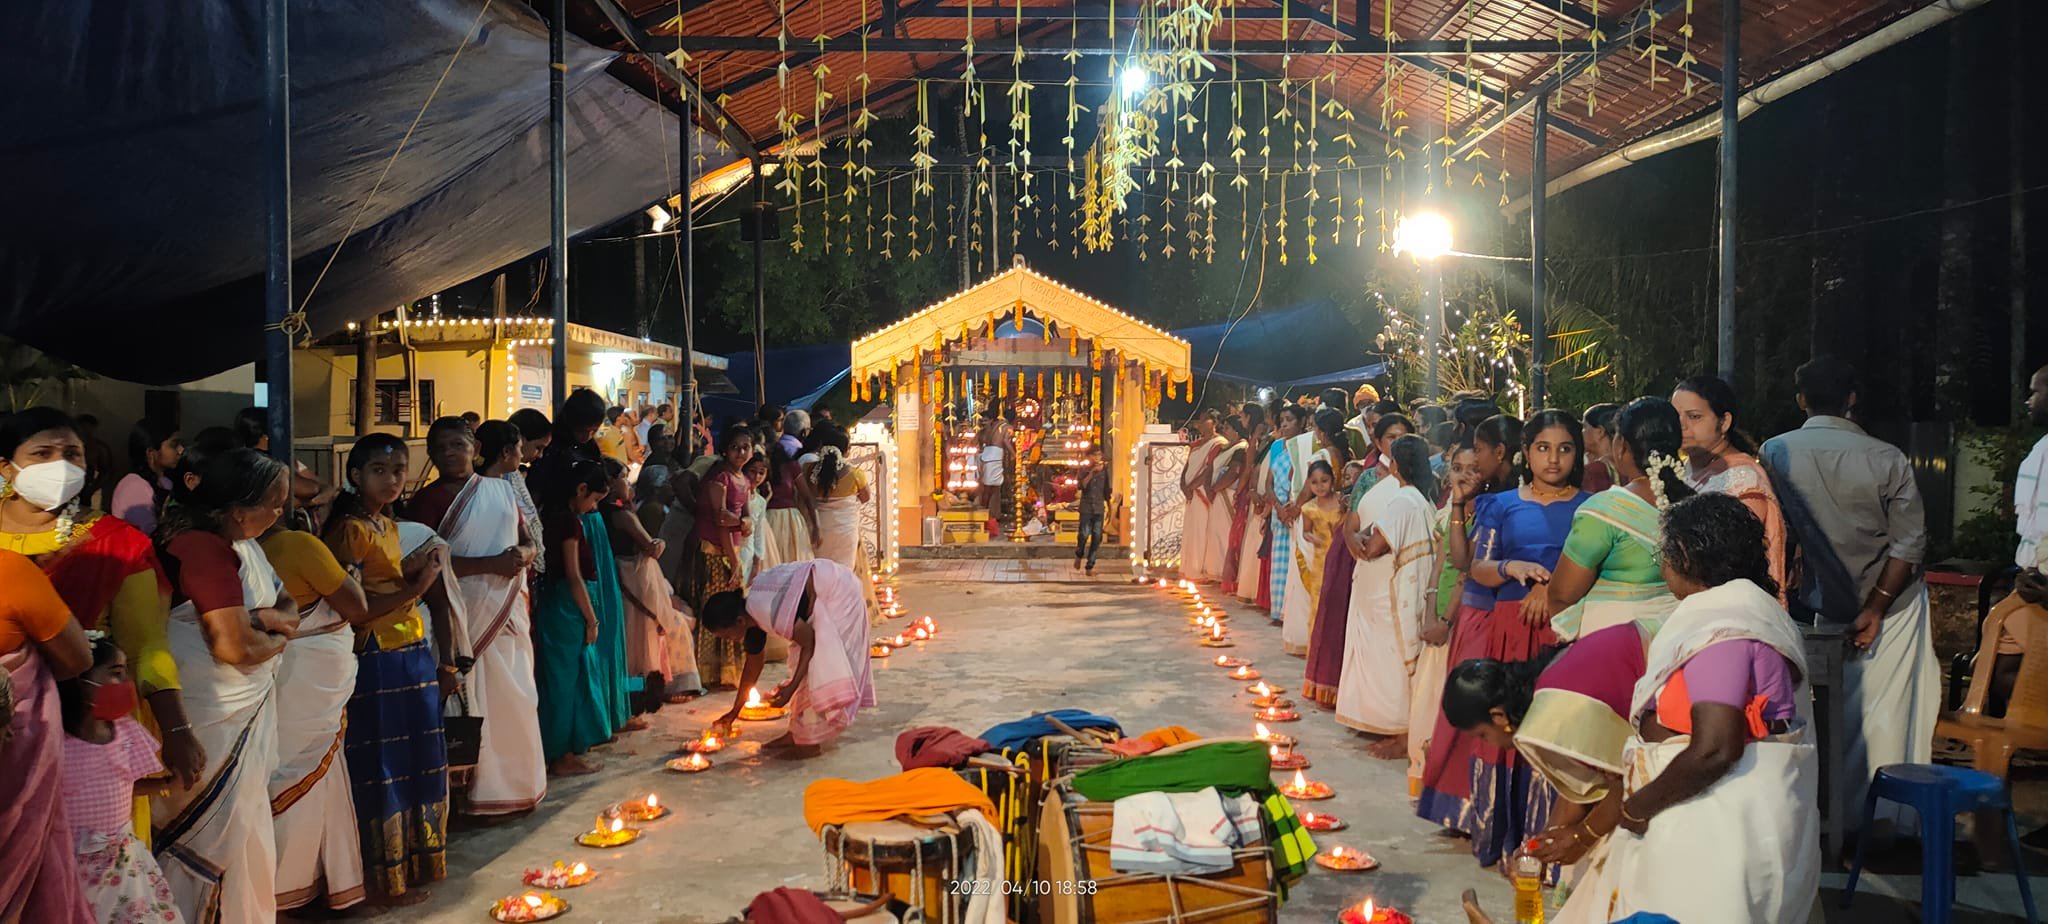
[319, 858]
[490, 550]
[841, 490]
[1720, 819]
[215, 841]
[1393, 594]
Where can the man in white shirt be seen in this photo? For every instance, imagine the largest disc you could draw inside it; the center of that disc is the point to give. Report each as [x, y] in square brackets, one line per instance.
[2016, 615]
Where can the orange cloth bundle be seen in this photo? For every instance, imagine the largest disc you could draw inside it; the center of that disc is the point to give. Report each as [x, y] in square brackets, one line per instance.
[1152, 741]
[924, 791]
[1170, 735]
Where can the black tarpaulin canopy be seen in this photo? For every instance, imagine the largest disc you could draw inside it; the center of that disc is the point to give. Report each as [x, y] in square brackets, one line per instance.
[133, 242]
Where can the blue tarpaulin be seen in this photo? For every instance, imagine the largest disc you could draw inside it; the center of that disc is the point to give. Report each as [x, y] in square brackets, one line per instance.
[1276, 347]
[133, 144]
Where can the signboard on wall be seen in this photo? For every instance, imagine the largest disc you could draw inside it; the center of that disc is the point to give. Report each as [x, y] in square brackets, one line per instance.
[907, 410]
[530, 393]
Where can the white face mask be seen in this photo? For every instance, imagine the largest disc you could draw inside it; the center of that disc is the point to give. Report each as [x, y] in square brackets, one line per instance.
[49, 485]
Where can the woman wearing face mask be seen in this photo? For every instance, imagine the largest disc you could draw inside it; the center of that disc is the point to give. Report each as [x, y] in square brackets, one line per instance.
[39, 642]
[1721, 459]
[230, 622]
[104, 568]
[397, 757]
[1252, 507]
[108, 758]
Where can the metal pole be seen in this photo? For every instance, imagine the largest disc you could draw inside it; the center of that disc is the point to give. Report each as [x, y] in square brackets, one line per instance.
[762, 215]
[1731, 110]
[1433, 304]
[558, 199]
[1539, 177]
[277, 188]
[686, 401]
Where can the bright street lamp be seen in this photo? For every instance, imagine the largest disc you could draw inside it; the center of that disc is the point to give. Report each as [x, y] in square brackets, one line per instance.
[1424, 236]
[1133, 80]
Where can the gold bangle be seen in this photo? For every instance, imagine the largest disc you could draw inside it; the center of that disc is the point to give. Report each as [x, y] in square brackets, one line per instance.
[1625, 816]
[1888, 595]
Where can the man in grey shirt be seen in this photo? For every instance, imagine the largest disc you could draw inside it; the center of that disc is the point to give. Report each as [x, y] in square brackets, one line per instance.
[1855, 516]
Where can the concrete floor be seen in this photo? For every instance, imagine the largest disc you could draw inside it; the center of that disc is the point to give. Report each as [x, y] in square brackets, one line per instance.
[1013, 640]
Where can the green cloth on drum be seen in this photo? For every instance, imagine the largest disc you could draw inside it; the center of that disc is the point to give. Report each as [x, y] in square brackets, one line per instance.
[1231, 766]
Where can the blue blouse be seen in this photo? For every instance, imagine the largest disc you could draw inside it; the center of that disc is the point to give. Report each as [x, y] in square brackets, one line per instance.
[1507, 527]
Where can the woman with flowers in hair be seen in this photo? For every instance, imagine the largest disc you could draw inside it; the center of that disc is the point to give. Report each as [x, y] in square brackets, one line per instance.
[1608, 574]
[840, 489]
[1721, 459]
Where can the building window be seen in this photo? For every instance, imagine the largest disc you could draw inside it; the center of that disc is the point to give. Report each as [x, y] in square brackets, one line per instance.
[394, 402]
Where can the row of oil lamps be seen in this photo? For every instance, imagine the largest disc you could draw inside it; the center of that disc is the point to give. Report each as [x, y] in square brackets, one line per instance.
[1210, 623]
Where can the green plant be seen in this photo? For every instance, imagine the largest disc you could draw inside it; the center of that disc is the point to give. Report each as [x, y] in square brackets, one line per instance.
[25, 371]
[1988, 534]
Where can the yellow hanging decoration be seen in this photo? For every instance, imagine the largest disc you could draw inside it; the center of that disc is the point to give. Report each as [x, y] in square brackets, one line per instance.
[1020, 316]
[991, 331]
[1002, 385]
[1040, 390]
[1020, 383]
[938, 341]
[1045, 330]
[1073, 346]
[853, 387]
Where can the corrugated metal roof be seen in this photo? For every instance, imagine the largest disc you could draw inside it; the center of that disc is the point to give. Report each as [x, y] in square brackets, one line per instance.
[1627, 104]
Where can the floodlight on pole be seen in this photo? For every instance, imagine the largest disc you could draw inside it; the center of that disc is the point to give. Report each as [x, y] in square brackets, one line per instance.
[1424, 236]
[660, 218]
[1133, 80]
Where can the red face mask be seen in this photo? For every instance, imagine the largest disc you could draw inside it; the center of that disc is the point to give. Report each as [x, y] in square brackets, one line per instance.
[111, 701]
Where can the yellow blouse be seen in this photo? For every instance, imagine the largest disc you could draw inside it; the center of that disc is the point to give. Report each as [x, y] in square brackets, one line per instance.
[374, 550]
[135, 620]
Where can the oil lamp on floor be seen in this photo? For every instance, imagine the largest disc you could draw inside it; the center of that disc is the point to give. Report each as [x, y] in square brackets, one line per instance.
[647, 809]
[1302, 787]
[559, 876]
[1261, 732]
[1367, 913]
[531, 906]
[1286, 758]
[1322, 821]
[610, 832]
[757, 711]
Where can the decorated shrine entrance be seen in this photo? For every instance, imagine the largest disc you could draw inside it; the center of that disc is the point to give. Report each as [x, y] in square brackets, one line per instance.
[1015, 378]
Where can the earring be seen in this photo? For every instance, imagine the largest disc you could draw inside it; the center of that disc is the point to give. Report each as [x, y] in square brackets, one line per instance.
[6, 488]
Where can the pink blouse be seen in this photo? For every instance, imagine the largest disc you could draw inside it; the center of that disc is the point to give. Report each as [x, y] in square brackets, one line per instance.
[99, 780]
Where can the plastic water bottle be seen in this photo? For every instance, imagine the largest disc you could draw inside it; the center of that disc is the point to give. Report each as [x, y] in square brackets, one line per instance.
[1528, 878]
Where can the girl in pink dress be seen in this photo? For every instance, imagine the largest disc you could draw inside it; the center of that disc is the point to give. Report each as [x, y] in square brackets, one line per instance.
[108, 757]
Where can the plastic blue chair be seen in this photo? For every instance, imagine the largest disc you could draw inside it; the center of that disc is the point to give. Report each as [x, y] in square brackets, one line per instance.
[1938, 793]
